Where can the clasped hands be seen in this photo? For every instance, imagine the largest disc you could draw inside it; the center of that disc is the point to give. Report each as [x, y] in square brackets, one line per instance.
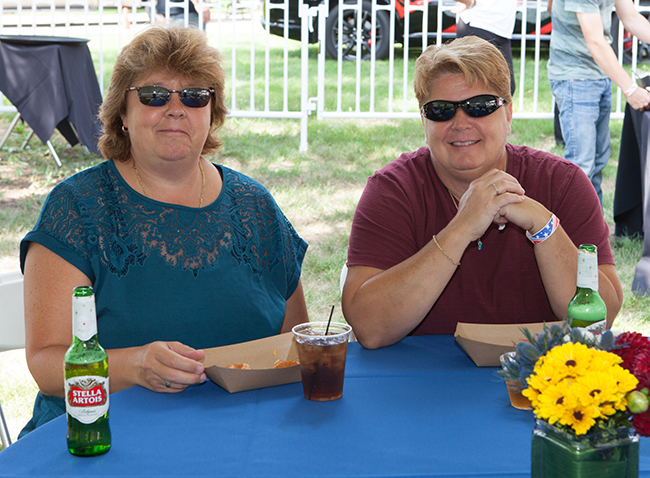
[497, 197]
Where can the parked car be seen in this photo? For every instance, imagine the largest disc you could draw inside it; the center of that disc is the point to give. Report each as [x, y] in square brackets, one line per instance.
[351, 23]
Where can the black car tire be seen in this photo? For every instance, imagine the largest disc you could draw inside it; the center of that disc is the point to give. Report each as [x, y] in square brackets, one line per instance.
[643, 52]
[350, 33]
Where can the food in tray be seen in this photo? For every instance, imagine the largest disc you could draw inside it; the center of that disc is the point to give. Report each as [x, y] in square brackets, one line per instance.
[240, 366]
[285, 363]
[278, 364]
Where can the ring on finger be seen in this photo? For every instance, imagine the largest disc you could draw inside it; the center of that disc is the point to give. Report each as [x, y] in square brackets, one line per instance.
[167, 384]
[496, 188]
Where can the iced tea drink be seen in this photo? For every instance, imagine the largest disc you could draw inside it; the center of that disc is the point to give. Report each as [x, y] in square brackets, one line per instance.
[517, 399]
[515, 387]
[322, 359]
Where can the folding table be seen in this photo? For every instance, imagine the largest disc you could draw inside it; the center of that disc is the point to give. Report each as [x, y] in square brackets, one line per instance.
[52, 83]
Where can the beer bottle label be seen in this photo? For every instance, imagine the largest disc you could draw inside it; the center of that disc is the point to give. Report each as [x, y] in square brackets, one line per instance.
[86, 397]
[587, 270]
[84, 320]
[597, 328]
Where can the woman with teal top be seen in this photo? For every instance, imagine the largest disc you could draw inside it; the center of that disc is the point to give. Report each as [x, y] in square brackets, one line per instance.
[182, 254]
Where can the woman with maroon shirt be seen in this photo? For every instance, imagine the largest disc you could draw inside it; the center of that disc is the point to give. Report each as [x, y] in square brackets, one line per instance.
[468, 228]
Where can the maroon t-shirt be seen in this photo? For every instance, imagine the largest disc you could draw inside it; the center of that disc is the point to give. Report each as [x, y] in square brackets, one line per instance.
[405, 204]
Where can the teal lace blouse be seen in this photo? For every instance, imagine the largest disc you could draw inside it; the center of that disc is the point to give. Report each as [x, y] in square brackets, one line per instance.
[206, 277]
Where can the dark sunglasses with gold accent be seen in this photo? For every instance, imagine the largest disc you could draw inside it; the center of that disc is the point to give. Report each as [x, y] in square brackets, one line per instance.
[476, 107]
[159, 96]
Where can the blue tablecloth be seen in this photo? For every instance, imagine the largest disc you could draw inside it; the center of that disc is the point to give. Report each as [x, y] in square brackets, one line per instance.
[420, 408]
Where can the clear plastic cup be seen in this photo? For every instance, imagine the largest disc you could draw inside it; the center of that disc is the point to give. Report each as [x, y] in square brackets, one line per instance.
[322, 358]
[515, 387]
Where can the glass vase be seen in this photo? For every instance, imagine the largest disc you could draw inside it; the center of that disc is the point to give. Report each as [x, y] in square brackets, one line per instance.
[602, 454]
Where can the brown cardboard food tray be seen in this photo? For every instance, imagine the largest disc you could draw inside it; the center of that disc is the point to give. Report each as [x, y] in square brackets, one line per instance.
[260, 355]
[485, 343]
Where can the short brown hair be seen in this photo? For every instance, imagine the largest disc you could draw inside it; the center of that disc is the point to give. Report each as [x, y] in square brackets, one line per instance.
[178, 50]
[476, 59]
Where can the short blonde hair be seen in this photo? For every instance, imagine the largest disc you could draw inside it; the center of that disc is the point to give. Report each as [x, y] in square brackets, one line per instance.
[476, 59]
[177, 50]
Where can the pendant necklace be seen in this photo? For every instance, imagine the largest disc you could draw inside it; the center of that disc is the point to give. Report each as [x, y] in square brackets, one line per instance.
[135, 168]
[453, 199]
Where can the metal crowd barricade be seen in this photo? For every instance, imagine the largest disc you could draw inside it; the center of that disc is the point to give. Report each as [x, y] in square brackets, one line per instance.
[258, 86]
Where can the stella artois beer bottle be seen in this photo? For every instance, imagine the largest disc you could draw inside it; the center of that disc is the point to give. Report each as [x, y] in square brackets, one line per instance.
[86, 381]
[587, 309]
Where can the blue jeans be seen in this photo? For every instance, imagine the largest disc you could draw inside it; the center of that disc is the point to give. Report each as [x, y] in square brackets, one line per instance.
[585, 107]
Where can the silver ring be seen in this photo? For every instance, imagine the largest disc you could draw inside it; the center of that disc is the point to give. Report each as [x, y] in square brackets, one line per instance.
[496, 188]
[167, 384]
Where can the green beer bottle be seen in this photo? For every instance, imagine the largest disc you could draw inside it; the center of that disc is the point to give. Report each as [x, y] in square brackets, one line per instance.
[86, 381]
[587, 309]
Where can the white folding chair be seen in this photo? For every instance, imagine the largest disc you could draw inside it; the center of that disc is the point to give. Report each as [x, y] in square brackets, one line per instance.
[344, 275]
[12, 327]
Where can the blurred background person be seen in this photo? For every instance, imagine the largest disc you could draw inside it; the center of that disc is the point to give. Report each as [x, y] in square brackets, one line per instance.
[492, 20]
[581, 68]
[177, 13]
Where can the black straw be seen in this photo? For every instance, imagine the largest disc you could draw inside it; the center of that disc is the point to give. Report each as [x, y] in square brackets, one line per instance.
[330, 320]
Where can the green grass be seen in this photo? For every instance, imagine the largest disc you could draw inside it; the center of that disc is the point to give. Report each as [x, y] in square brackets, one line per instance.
[318, 190]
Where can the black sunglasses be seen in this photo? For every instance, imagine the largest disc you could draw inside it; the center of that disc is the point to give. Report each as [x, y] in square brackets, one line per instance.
[476, 107]
[159, 96]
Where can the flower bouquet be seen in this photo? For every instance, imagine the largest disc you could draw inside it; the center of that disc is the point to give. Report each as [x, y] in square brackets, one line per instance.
[517, 366]
[586, 400]
[634, 350]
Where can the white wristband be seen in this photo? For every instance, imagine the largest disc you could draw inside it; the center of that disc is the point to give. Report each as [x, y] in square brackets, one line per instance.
[630, 90]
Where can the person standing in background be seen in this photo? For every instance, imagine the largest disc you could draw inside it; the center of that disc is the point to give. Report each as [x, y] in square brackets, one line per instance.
[492, 20]
[581, 68]
[177, 13]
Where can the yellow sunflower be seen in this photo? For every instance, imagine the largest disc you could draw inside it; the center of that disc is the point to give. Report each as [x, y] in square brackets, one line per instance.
[569, 360]
[551, 372]
[531, 394]
[604, 361]
[556, 402]
[598, 389]
[542, 377]
[580, 418]
[625, 382]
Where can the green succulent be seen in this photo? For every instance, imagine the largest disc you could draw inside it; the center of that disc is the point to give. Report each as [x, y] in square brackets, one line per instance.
[519, 366]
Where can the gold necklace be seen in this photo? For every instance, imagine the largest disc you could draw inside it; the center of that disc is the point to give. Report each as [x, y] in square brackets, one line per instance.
[453, 199]
[135, 168]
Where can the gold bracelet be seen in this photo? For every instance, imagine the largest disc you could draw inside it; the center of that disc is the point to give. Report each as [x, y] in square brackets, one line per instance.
[443, 251]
